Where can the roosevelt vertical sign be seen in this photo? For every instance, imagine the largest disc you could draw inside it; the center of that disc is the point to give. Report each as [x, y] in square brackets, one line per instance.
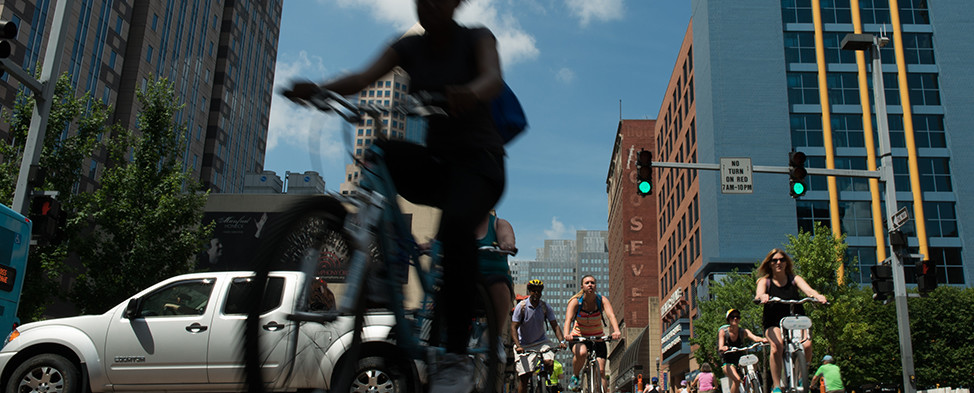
[736, 176]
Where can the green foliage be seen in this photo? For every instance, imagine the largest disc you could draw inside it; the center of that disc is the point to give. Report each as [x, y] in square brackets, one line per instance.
[735, 290]
[63, 156]
[144, 226]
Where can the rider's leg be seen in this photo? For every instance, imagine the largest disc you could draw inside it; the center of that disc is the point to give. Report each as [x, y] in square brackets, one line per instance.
[605, 381]
[773, 334]
[808, 347]
[500, 293]
[522, 382]
[734, 378]
[580, 351]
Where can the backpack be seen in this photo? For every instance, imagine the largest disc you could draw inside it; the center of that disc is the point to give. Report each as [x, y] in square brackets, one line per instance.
[508, 114]
[598, 303]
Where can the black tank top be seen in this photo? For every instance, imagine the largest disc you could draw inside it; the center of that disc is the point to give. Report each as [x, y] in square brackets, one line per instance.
[733, 358]
[774, 312]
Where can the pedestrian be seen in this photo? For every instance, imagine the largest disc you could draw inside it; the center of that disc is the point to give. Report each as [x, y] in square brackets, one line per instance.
[705, 379]
[829, 371]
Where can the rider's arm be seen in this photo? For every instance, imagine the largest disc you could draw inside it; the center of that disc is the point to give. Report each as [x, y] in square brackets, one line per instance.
[505, 235]
[720, 340]
[569, 315]
[754, 337]
[514, 326]
[807, 289]
[607, 307]
[762, 292]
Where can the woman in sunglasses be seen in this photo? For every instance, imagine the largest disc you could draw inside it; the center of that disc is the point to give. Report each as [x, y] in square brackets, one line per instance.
[733, 336]
[779, 280]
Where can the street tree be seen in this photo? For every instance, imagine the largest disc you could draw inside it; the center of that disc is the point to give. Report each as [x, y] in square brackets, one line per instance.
[62, 157]
[144, 220]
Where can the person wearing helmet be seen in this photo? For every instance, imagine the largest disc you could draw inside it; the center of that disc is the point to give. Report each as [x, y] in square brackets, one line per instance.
[528, 332]
[652, 386]
[733, 336]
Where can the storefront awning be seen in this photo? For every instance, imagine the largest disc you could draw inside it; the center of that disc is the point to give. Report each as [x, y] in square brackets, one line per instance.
[630, 358]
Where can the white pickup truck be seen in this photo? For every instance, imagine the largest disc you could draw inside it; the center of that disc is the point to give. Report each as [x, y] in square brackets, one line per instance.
[184, 334]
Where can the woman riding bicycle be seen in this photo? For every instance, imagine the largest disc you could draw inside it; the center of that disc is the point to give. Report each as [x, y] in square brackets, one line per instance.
[584, 318]
[779, 280]
[733, 336]
[461, 168]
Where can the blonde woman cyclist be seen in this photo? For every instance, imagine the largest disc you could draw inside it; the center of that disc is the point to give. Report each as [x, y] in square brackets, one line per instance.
[584, 318]
[779, 280]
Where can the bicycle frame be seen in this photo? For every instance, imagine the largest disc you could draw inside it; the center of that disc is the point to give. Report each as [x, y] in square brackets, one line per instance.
[539, 373]
[750, 383]
[592, 372]
[794, 333]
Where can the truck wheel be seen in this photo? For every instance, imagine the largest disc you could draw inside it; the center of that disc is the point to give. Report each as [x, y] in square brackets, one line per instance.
[45, 373]
[378, 374]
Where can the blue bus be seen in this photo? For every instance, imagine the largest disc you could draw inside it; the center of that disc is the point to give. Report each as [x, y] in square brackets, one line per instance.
[14, 244]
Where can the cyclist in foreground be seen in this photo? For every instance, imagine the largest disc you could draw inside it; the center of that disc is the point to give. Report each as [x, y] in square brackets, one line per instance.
[779, 280]
[528, 332]
[584, 318]
[461, 168]
[733, 336]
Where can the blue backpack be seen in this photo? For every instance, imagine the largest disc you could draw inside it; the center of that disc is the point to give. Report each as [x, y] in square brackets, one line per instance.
[508, 114]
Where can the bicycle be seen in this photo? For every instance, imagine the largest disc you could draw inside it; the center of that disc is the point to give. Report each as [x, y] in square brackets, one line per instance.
[538, 382]
[750, 382]
[794, 330]
[366, 233]
[591, 378]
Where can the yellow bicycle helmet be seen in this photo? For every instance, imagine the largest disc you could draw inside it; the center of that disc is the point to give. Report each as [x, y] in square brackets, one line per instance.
[731, 312]
[535, 284]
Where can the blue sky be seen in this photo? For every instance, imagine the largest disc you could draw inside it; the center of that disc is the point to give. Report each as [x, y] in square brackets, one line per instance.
[569, 61]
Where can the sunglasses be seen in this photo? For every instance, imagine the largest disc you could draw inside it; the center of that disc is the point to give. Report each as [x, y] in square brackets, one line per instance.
[734, 317]
[778, 260]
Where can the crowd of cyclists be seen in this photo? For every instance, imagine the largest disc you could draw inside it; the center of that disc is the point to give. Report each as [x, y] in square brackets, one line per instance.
[589, 314]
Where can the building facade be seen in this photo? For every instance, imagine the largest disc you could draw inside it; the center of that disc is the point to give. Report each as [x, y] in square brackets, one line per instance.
[633, 259]
[220, 57]
[778, 81]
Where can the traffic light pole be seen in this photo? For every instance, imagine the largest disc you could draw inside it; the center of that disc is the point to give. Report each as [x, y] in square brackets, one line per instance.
[774, 169]
[43, 95]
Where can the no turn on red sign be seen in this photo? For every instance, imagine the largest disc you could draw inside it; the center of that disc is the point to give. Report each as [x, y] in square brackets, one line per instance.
[736, 175]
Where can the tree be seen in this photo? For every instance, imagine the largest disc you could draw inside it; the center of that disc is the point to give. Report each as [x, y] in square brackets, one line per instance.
[63, 157]
[143, 225]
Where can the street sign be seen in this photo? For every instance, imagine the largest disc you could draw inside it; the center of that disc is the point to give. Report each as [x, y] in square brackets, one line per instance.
[736, 176]
[900, 217]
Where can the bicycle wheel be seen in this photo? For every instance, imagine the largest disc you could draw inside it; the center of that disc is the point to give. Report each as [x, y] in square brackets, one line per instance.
[753, 385]
[484, 345]
[306, 236]
[801, 372]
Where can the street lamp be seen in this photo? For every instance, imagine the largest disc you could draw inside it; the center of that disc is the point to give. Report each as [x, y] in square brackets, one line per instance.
[657, 369]
[872, 43]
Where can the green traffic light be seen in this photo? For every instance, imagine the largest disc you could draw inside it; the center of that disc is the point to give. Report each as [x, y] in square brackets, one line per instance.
[645, 187]
[798, 188]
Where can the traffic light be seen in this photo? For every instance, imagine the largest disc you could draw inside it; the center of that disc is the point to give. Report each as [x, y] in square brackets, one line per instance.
[644, 173]
[45, 212]
[796, 174]
[882, 278]
[926, 272]
[8, 31]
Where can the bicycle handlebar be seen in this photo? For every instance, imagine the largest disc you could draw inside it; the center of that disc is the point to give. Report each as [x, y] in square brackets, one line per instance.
[744, 349]
[498, 250]
[421, 103]
[789, 301]
[578, 339]
[526, 352]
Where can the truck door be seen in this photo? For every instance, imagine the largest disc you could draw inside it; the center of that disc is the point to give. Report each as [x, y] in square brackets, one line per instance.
[165, 342]
[225, 362]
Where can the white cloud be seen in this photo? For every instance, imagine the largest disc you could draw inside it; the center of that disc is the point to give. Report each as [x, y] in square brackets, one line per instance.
[296, 126]
[557, 230]
[565, 75]
[598, 10]
[514, 44]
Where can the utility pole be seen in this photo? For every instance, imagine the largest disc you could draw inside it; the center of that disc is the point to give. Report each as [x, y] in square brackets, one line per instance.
[43, 95]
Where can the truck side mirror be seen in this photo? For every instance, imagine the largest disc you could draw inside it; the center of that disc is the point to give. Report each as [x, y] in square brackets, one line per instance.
[132, 309]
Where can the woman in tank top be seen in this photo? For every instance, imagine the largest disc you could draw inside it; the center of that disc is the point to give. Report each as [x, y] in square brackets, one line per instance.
[733, 336]
[584, 318]
[779, 280]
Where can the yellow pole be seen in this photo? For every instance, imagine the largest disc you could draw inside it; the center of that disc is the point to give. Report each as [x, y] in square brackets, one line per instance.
[823, 97]
[867, 130]
[911, 148]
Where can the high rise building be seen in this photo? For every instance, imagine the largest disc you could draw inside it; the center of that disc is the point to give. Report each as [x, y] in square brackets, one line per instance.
[778, 81]
[219, 55]
[633, 261]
